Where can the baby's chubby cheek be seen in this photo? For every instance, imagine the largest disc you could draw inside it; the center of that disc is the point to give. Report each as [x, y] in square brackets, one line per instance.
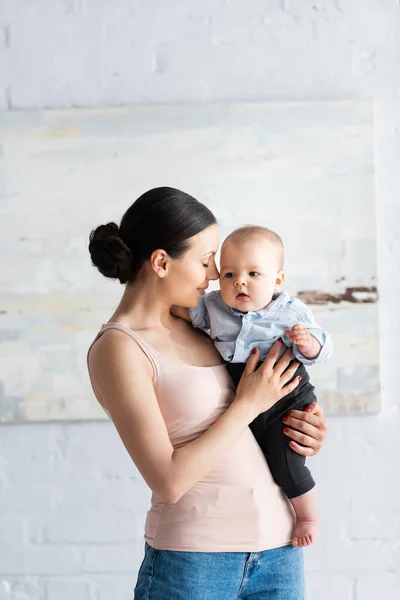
[225, 295]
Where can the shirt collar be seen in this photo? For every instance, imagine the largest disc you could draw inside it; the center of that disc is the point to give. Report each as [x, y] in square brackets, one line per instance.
[278, 300]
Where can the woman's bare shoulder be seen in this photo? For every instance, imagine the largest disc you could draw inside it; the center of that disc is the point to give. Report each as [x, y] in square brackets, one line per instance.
[114, 353]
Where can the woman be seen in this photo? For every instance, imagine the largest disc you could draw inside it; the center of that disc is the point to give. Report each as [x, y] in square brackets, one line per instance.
[218, 526]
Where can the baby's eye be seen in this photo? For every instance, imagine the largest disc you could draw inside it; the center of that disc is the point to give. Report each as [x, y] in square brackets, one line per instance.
[228, 275]
[253, 273]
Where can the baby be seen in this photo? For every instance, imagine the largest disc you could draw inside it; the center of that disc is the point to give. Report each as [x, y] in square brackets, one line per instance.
[252, 311]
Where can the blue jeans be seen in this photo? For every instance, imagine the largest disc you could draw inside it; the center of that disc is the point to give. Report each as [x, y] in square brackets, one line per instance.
[276, 574]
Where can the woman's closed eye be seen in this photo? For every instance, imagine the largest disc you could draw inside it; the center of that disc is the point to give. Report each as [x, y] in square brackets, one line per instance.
[206, 266]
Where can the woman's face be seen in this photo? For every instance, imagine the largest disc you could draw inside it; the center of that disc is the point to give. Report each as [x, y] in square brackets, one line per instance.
[189, 275]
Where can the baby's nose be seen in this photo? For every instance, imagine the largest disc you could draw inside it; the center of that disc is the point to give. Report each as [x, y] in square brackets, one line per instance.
[240, 281]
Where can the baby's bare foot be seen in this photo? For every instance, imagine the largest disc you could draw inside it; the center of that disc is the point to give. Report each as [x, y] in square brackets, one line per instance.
[305, 532]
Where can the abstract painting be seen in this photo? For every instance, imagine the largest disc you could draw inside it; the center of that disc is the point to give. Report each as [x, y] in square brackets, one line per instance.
[302, 169]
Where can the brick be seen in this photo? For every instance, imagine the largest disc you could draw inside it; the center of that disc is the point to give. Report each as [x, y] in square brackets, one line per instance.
[61, 63]
[125, 496]
[66, 589]
[40, 561]
[25, 499]
[22, 588]
[96, 447]
[12, 532]
[328, 587]
[364, 488]
[116, 585]
[381, 525]
[334, 527]
[80, 528]
[241, 23]
[350, 557]
[378, 585]
[119, 558]
[31, 455]
[159, 27]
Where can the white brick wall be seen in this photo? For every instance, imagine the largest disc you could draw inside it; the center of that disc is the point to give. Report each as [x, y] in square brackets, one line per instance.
[71, 502]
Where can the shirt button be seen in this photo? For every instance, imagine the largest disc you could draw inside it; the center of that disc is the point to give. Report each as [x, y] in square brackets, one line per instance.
[240, 342]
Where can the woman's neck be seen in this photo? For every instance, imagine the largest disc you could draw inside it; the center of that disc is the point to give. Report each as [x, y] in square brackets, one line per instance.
[142, 306]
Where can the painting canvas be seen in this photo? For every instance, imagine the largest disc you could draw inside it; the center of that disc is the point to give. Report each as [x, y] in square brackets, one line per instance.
[302, 169]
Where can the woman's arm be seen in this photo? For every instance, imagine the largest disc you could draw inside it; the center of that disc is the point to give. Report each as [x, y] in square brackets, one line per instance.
[309, 429]
[122, 378]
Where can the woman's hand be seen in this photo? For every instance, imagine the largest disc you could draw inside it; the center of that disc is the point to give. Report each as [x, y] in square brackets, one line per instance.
[262, 388]
[309, 429]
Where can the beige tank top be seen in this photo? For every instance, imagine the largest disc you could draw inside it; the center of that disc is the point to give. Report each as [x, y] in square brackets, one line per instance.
[236, 507]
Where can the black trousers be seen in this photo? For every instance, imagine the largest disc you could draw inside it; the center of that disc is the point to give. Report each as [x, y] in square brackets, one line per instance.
[287, 467]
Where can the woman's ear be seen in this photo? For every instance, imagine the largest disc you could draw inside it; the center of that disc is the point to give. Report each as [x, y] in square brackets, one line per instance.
[159, 261]
[280, 278]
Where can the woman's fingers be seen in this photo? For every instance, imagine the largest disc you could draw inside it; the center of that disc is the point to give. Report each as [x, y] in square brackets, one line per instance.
[290, 387]
[288, 376]
[301, 438]
[302, 450]
[304, 429]
[307, 429]
[309, 423]
[284, 361]
[277, 368]
[315, 409]
[272, 357]
[252, 362]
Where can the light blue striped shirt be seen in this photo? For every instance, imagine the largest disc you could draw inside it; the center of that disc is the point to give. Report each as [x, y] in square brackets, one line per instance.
[235, 333]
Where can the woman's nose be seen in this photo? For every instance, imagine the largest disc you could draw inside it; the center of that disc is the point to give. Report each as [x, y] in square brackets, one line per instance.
[212, 273]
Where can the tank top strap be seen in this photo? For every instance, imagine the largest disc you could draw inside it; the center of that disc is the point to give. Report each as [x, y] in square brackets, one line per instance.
[143, 345]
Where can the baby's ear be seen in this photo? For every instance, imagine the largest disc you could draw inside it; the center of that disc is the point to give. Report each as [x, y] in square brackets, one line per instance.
[280, 279]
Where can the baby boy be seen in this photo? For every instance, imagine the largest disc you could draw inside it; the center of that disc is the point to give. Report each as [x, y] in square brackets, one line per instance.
[251, 310]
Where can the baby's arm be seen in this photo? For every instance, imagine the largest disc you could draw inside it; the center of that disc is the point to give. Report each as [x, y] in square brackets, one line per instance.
[311, 344]
[198, 316]
[181, 311]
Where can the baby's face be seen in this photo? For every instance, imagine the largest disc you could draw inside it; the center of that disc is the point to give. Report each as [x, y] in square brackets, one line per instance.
[249, 274]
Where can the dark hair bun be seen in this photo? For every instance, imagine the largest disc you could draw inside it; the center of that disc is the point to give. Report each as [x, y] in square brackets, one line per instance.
[161, 218]
[110, 254]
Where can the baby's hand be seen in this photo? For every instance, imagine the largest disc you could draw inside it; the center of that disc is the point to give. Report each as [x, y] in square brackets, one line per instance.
[300, 336]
